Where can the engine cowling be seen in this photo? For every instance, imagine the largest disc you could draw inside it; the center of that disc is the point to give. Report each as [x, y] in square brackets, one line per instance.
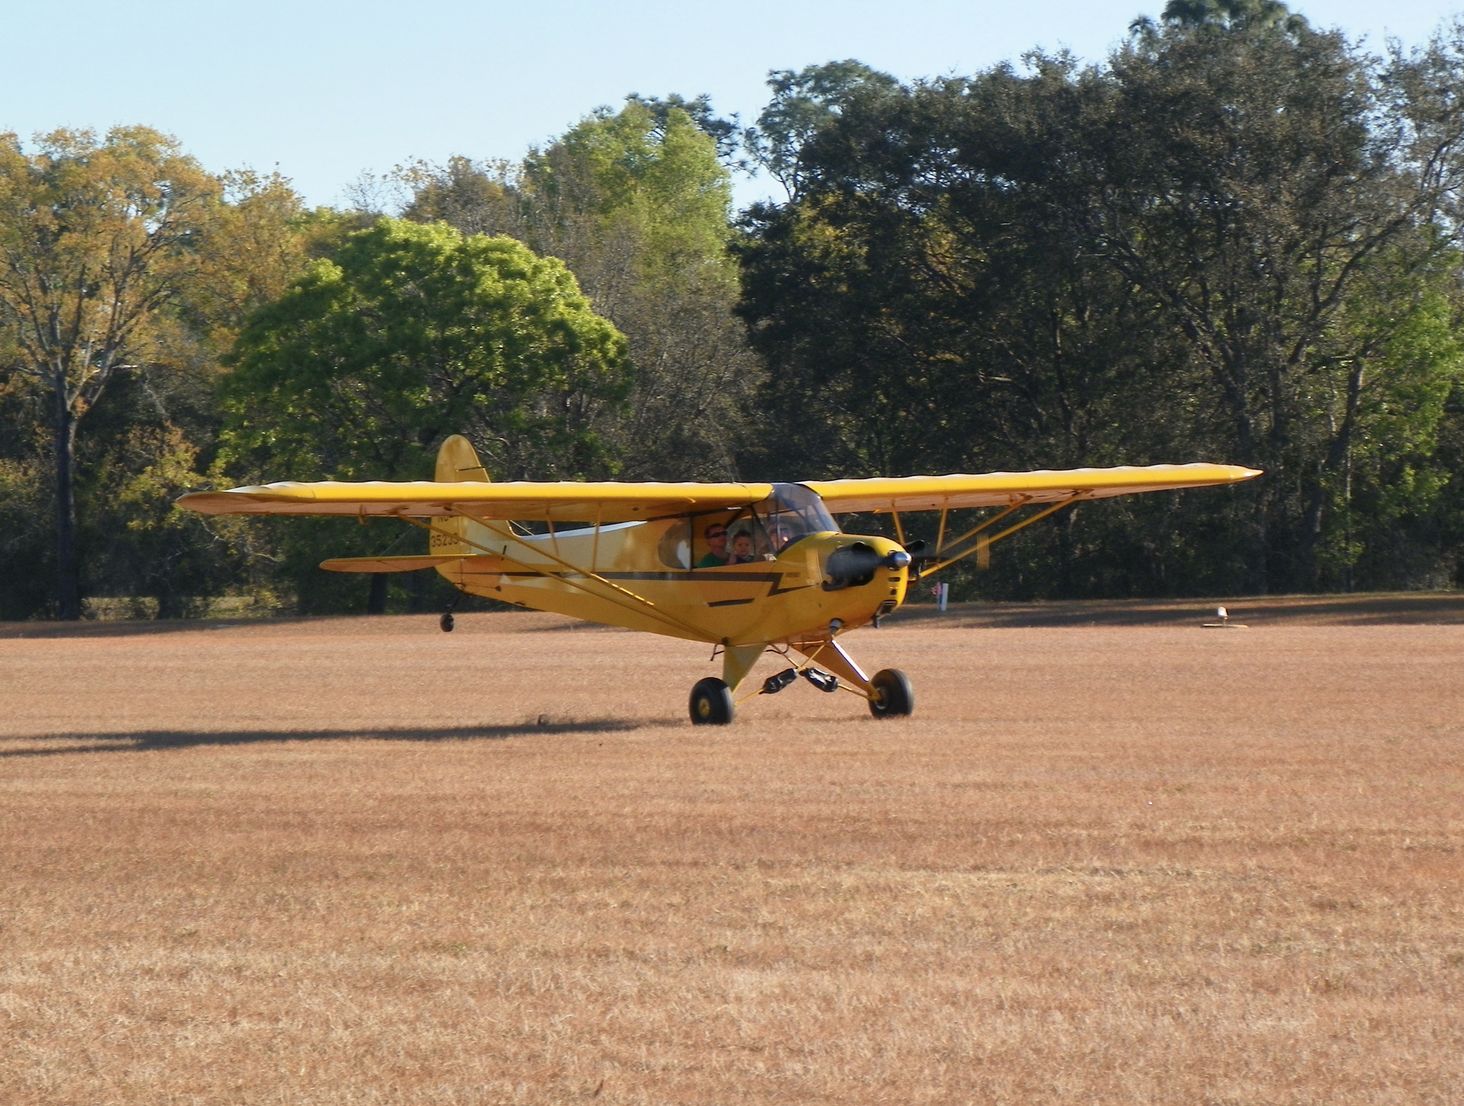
[854, 565]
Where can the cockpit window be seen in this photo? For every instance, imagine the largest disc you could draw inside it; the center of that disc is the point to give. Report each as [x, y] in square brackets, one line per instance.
[753, 533]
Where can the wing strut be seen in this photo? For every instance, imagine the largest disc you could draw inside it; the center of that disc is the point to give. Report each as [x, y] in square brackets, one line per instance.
[975, 540]
[620, 596]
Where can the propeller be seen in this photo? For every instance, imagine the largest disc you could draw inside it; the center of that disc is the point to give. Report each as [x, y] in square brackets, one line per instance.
[855, 565]
[919, 558]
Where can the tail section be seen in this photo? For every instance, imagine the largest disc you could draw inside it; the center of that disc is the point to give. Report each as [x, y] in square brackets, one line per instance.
[457, 460]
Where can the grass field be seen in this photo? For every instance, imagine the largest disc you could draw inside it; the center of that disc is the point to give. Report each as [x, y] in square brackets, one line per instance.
[1113, 858]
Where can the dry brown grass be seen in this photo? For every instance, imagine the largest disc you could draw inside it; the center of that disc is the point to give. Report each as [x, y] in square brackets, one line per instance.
[349, 861]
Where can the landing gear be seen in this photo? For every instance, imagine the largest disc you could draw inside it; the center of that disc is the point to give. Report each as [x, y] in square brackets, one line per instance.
[446, 622]
[711, 703]
[892, 694]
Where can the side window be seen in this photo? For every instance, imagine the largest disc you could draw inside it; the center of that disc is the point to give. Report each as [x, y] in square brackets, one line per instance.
[711, 540]
[675, 545]
[747, 539]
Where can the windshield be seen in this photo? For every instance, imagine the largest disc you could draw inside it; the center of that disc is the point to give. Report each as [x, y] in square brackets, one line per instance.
[793, 511]
[754, 533]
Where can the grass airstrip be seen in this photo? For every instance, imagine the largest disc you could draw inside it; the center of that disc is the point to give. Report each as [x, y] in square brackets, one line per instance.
[1114, 857]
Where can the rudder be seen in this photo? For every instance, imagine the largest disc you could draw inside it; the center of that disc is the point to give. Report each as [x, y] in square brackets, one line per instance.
[457, 460]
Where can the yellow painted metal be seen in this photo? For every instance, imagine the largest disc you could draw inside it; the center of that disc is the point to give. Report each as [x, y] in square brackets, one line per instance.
[571, 578]
[988, 541]
[634, 565]
[530, 501]
[737, 662]
[829, 655]
[984, 525]
[752, 604]
[995, 489]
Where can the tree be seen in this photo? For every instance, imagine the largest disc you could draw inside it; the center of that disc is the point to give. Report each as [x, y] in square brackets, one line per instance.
[410, 332]
[922, 294]
[1221, 15]
[97, 239]
[802, 103]
[699, 110]
[637, 205]
[472, 198]
[1266, 187]
[1252, 221]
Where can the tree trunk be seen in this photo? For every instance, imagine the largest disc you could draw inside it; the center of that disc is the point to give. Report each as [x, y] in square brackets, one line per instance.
[68, 582]
[376, 599]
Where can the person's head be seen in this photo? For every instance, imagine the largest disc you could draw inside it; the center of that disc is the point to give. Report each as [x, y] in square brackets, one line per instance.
[716, 535]
[742, 544]
[779, 535]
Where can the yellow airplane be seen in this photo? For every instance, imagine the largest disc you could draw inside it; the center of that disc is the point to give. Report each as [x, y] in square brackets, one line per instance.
[744, 567]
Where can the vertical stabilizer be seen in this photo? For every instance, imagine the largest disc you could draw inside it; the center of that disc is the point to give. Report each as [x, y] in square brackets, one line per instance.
[456, 460]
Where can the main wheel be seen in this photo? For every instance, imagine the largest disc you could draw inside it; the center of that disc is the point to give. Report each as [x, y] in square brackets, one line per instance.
[892, 695]
[711, 703]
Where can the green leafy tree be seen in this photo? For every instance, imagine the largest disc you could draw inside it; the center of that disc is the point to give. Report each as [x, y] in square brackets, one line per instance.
[1221, 15]
[637, 204]
[802, 104]
[97, 239]
[723, 132]
[410, 332]
[922, 309]
[1273, 197]
[1233, 241]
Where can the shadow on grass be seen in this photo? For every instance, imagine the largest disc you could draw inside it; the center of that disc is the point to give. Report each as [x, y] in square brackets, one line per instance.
[416, 622]
[144, 627]
[153, 740]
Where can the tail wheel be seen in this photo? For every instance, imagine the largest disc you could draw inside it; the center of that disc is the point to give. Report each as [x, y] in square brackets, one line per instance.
[892, 695]
[711, 703]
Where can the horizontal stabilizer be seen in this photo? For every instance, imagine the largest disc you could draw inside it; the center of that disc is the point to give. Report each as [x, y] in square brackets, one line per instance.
[456, 564]
[386, 564]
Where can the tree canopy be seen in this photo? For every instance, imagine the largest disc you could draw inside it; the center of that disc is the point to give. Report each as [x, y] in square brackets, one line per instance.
[637, 204]
[408, 332]
[1236, 238]
[1249, 227]
[120, 257]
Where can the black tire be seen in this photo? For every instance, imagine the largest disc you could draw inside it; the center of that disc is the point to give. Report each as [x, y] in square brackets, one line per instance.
[711, 703]
[446, 623]
[892, 696]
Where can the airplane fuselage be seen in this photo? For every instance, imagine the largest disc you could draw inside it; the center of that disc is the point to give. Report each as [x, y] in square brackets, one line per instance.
[642, 576]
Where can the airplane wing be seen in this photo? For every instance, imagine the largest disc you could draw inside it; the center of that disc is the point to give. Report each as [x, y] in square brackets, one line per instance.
[618, 501]
[999, 489]
[532, 501]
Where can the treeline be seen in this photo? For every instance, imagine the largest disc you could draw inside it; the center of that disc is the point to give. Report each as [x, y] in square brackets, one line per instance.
[1237, 239]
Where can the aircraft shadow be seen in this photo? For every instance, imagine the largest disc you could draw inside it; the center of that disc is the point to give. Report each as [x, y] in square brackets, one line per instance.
[140, 627]
[138, 741]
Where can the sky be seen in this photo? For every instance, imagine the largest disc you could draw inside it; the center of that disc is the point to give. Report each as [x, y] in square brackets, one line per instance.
[326, 92]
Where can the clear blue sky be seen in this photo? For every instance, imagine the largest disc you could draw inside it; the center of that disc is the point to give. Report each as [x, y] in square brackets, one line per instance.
[324, 90]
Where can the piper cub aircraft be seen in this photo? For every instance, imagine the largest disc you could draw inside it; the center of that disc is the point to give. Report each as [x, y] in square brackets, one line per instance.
[745, 568]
